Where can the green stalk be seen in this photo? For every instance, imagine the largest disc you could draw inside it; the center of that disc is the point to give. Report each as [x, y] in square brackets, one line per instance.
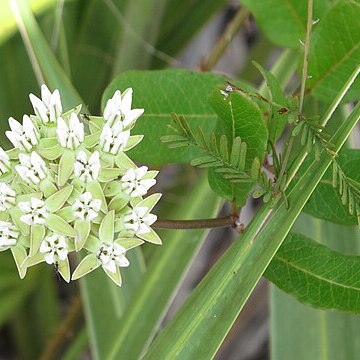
[201, 325]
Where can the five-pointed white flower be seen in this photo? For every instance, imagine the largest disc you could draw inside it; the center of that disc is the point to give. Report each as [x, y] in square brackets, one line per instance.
[24, 136]
[119, 108]
[32, 168]
[70, 136]
[85, 207]
[7, 196]
[113, 139]
[4, 162]
[35, 211]
[87, 169]
[49, 108]
[54, 248]
[133, 183]
[112, 256]
[139, 220]
[8, 234]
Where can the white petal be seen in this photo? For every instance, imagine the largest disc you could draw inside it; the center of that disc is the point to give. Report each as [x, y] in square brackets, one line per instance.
[25, 206]
[122, 261]
[126, 100]
[110, 266]
[129, 176]
[15, 126]
[131, 116]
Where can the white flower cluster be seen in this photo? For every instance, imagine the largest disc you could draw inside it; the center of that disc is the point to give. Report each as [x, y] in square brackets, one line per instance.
[64, 188]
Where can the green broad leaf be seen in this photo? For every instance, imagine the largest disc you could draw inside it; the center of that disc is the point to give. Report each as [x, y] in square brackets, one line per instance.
[182, 92]
[278, 120]
[318, 332]
[316, 275]
[239, 116]
[335, 52]
[133, 141]
[64, 269]
[150, 201]
[106, 232]
[57, 200]
[115, 277]
[59, 225]
[325, 203]
[129, 243]
[97, 193]
[118, 202]
[108, 174]
[284, 21]
[190, 334]
[37, 233]
[87, 264]
[82, 228]
[19, 253]
[166, 270]
[151, 237]
[66, 166]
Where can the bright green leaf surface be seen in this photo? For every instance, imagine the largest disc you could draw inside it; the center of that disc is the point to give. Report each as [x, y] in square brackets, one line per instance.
[238, 116]
[335, 51]
[162, 93]
[316, 275]
[284, 21]
[301, 332]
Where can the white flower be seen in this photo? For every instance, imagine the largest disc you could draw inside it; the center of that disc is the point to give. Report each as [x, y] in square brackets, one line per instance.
[49, 108]
[139, 221]
[112, 255]
[54, 248]
[24, 136]
[85, 207]
[133, 183]
[70, 136]
[7, 197]
[119, 108]
[113, 139]
[32, 168]
[87, 169]
[8, 234]
[35, 211]
[4, 162]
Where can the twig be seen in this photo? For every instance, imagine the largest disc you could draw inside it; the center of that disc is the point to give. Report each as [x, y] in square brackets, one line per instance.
[302, 91]
[231, 220]
[224, 41]
[64, 330]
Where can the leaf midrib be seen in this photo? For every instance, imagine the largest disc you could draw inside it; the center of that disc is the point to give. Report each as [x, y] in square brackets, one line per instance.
[308, 272]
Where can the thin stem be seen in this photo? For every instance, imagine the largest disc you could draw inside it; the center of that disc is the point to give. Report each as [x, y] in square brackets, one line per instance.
[225, 221]
[306, 54]
[302, 90]
[64, 330]
[231, 30]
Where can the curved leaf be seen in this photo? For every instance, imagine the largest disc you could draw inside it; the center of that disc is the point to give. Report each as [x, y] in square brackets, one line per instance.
[316, 275]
